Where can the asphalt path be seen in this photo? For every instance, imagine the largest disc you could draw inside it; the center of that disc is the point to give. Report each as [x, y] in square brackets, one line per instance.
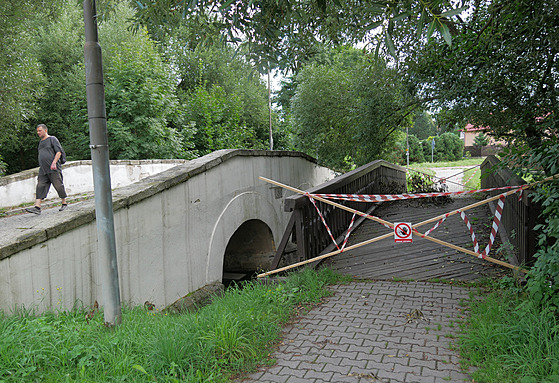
[453, 176]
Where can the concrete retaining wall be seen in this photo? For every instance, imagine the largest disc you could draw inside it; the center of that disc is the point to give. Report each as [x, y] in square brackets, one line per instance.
[17, 189]
[171, 231]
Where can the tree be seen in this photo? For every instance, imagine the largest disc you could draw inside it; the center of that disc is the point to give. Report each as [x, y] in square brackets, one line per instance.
[347, 112]
[448, 147]
[140, 95]
[21, 80]
[501, 71]
[286, 32]
[215, 68]
[423, 126]
[481, 140]
[58, 46]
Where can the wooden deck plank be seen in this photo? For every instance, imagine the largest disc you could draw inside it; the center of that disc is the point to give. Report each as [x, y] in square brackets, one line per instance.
[422, 259]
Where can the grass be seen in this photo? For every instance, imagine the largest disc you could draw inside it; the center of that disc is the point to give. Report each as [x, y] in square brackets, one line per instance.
[510, 339]
[444, 164]
[472, 184]
[232, 335]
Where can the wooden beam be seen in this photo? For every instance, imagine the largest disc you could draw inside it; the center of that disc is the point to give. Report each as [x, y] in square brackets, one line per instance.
[386, 223]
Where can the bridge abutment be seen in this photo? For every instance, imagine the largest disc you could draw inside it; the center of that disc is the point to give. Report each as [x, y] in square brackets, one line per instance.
[173, 232]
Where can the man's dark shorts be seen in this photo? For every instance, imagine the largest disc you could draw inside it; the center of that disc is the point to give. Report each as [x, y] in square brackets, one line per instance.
[44, 182]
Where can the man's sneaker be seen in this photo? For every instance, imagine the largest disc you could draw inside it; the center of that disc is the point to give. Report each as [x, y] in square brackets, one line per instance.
[34, 210]
[63, 207]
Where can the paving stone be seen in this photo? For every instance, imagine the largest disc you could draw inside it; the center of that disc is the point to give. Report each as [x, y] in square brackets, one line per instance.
[312, 374]
[344, 340]
[296, 379]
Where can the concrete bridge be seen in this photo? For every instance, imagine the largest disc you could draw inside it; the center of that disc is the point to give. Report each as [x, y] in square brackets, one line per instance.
[177, 231]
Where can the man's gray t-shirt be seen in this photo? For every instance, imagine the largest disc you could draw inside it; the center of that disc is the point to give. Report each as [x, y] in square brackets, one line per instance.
[47, 150]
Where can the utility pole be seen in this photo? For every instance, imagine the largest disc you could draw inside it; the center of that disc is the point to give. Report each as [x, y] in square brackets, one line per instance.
[99, 144]
[270, 109]
[407, 149]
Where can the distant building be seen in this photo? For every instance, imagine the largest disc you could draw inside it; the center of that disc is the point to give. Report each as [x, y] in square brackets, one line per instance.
[468, 135]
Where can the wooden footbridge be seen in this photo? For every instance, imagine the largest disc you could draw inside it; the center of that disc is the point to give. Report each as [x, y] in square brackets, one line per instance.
[421, 259]
[318, 229]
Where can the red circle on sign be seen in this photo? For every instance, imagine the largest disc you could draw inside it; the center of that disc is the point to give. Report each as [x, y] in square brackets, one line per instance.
[407, 230]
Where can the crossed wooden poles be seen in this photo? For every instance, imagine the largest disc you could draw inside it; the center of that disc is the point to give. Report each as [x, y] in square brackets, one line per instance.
[390, 224]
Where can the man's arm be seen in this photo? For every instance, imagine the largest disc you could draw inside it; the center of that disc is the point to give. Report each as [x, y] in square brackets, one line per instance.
[56, 158]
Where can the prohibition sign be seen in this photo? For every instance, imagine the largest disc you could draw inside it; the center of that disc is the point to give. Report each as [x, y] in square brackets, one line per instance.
[402, 232]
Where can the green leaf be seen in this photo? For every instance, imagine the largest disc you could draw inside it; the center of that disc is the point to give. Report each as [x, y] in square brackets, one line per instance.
[227, 4]
[431, 29]
[421, 24]
[140, 368]
[377, 50]
[389, 44]
[374, 25]
[453, 12]
[401, 16]
[445, 32]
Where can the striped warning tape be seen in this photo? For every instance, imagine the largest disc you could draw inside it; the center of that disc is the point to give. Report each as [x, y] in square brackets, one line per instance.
[471, 229]
[323, 220]
[437, 224]
[396, 197]
[472, 176]
[495, 226]
[348, 232]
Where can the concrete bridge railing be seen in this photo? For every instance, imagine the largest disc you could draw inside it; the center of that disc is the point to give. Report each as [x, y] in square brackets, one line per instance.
[176, 232]
[17, 189]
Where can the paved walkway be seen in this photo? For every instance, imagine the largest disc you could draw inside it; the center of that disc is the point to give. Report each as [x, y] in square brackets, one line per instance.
[454, 177]
[373, 332]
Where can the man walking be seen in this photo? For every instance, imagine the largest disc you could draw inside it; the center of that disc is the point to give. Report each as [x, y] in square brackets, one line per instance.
[50, 169]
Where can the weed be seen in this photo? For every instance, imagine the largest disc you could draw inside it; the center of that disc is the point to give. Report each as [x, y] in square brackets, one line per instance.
[450, 336]
[233, 334]
[508, 337]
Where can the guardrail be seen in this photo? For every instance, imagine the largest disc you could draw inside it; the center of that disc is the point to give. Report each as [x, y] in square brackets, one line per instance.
[519, 216]
[305, 228]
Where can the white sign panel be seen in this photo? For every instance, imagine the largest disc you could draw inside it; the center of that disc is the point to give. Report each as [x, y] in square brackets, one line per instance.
[402, 232]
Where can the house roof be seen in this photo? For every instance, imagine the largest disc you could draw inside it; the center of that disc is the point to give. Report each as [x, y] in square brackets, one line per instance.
[472, 128]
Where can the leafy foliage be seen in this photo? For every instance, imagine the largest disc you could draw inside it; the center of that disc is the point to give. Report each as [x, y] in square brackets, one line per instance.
[543, 281]
[423, 126]
[3, 167]
[481, 140]
[448, 147]
[346, 112]
[147, 87]
[501, 70]
[286, 32]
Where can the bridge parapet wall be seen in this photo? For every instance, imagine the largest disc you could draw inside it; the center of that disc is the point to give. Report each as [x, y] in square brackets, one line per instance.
[19, 188]
[171, 230]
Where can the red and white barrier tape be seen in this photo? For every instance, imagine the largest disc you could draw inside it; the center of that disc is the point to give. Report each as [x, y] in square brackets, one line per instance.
[341, 249]
[471, 229]
[348, 232]
[495, 226]
[396, 197]
[323, 220]
[437, 224]
[472, 176]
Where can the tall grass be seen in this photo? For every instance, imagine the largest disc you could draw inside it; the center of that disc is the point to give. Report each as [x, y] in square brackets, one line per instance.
[511, 340]
[233, 334]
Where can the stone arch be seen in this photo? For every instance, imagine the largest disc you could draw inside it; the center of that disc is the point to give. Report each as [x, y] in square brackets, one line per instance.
[250, 249]
[244, 212]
